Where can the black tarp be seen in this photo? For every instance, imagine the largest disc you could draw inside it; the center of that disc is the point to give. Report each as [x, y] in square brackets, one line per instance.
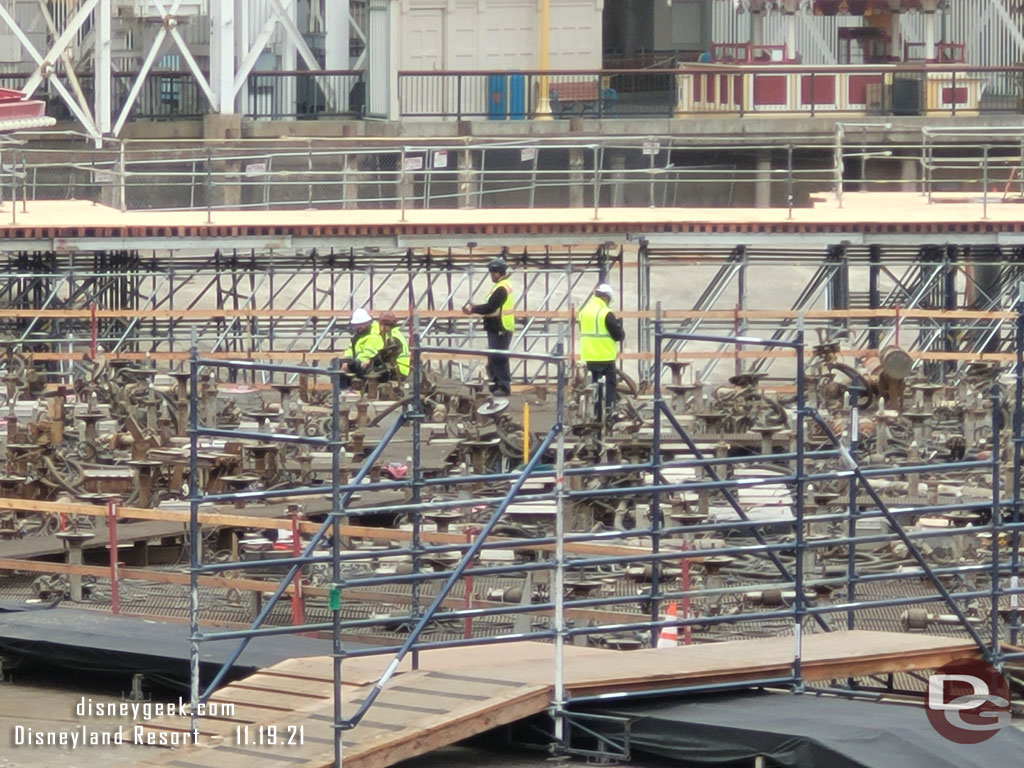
[805, 731]
[97, 642]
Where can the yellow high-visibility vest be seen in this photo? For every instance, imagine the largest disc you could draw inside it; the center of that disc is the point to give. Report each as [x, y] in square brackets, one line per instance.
[366, 347]
[596, 344]
[508, 320]
[404, 358]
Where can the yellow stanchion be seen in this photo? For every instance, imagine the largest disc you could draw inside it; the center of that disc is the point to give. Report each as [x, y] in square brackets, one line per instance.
[526, 433]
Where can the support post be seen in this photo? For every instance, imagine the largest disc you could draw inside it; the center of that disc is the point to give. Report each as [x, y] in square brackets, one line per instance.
[194, 538]
[763, 179]
[929, 36]
[222, 54]
[576, 186]
[469, 182]
[102, 69]
[798, 509]
[543, 63]
[115, 581]
[336, 47]
[298, 609]
[1018, 449]
[559, 585]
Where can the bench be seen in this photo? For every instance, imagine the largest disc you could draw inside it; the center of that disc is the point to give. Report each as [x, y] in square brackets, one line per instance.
[581, 96]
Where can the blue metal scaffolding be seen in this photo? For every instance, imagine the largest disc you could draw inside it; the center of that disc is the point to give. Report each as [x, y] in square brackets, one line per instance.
[781, 559]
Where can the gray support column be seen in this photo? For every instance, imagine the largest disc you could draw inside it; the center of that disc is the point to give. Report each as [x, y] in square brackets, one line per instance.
[791, 50]
[289, 61]
[763, 179]
[101, 67]
[757, 29]
[617, 163]
[895, 44]
[469, 180]
[576, 185]
[929, 36]
[336, 45]
[243, 42]
[908, 175]
[222, 194]
[350, 185]
[222, 54]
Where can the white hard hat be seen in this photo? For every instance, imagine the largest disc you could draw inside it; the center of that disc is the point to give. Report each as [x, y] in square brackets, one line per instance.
[360, 317]
[605, 290]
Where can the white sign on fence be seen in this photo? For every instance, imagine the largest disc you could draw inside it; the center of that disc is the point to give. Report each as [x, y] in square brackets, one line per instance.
[255, 169]
[652, 147]
[413, 163]
[441, 158]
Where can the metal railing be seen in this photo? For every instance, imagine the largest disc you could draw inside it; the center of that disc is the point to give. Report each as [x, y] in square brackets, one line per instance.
[177, 95]
[981, 165]
[741, 85]
[504, 95]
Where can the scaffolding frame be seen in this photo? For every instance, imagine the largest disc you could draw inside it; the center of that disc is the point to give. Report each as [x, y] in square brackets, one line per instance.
[833, 460]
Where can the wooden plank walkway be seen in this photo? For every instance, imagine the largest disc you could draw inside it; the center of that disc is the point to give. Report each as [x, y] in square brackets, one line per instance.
[44, 546]
[891, 213]
[457, 693]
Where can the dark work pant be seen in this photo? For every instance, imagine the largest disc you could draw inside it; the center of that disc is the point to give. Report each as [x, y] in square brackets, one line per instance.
[605, 372]
[498, 367]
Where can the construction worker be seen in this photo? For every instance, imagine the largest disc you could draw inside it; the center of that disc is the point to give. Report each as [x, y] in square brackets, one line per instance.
[499, 323]
[364, 354]
[600, 334]
[396, 346]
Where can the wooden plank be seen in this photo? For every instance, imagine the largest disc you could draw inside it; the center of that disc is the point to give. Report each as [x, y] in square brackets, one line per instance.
[456, 692]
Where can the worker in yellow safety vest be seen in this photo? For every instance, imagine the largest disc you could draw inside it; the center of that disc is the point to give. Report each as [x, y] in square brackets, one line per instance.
[396, 346]
[364, 353]
[600, 334]
[499, 322]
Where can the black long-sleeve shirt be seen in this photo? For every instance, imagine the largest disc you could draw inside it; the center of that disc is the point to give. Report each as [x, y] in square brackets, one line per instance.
[490, 308]
[614, 327]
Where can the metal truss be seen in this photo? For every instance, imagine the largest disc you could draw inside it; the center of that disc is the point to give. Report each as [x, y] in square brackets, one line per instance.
[264, 304]
[897, 279]
[82, 45]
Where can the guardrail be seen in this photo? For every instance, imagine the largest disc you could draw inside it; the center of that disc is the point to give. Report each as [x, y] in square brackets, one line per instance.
[729, 88]
[504, 95]
[176, 95]
[737, 87]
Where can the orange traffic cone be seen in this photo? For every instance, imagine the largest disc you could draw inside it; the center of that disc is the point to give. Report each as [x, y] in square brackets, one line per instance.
[669, 637]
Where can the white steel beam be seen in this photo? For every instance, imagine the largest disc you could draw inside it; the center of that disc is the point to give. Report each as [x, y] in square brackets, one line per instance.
[65, 58]
[253, 53]
[287, 17]
[1000, 8]
[171, 25]
[140, 79]
[169, 29]
[337, 37]
[46, 69]
[337, 40]
[74, 24]
[279, 15]
[222, 54]
[102, 69]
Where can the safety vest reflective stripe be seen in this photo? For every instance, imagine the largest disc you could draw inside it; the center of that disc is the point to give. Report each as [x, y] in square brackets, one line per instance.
[508, 320]
[366, 347]
[596, 345]
[403, 361]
